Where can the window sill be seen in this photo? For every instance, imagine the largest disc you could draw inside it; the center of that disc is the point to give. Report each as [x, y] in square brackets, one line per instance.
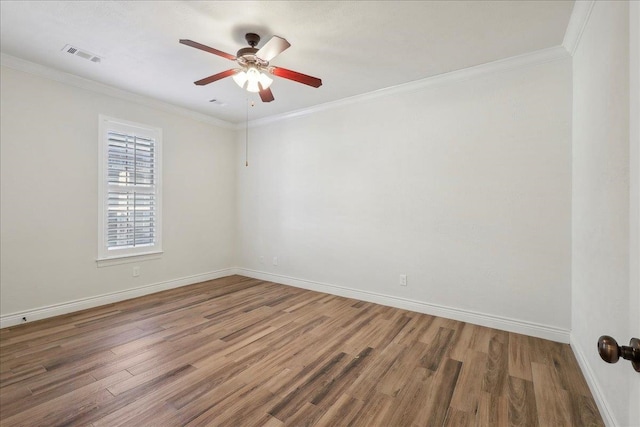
[127, 259]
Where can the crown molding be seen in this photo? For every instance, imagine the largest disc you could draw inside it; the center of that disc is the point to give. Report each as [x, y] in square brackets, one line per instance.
[525, 60]
[577, 22]
[82, 83]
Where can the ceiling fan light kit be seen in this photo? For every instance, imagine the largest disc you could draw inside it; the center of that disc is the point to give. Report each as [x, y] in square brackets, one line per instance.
[254, 64]
[254, 80]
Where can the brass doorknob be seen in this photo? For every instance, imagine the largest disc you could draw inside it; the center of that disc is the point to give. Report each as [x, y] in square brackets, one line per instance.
[611, 352]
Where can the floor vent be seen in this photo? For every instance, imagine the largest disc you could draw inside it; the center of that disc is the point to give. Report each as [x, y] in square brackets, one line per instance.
[81, 53]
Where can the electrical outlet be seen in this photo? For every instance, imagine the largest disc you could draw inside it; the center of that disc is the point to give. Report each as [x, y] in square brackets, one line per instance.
[136, 271]
[261, 259]
[403, 280]
[275, 260]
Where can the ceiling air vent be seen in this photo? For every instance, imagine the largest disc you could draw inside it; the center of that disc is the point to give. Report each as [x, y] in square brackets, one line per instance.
[218, 102]
[81, 53]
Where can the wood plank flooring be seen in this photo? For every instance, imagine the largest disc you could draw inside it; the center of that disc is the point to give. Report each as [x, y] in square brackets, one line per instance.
[242, 352]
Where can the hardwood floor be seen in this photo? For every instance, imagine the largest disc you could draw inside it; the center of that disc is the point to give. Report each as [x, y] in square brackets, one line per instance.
[238, 351]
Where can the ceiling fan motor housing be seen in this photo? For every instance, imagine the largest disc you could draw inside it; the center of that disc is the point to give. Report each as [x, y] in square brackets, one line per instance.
[247, 57]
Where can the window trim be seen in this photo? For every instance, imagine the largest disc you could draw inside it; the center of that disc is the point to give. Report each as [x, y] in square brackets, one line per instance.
[112, 257]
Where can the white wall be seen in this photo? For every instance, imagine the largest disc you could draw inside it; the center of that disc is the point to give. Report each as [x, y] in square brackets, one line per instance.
[601, 205]
[49, 199]
[464, 186]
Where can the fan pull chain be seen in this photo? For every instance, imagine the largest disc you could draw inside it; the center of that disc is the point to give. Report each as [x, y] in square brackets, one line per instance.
[246, 136]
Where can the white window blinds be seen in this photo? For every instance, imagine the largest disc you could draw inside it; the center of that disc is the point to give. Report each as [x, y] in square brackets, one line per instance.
[131, 205]
[130, 190]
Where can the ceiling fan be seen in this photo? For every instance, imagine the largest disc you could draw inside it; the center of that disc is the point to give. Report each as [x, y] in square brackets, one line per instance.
[253, 64]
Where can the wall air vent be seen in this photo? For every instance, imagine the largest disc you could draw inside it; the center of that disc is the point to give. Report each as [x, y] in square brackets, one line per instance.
[81, 53]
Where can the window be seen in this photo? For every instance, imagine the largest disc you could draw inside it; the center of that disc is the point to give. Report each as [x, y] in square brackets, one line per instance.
[130, 189]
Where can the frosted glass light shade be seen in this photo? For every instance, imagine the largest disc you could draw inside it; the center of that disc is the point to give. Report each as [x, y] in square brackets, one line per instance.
[240, 78]
[265, 80]
[251, 77]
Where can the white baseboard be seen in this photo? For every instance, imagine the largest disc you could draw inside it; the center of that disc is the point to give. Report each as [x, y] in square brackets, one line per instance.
[491, 321]
[596, 391]
[84, 303]
[482, 319]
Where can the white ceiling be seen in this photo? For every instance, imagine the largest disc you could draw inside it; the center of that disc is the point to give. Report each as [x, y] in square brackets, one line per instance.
[354, 46]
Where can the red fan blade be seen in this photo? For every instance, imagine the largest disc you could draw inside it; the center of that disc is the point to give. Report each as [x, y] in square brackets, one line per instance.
[208, 49]
[215, 77]
[266, 95]
[273, 48]
[295, 76]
